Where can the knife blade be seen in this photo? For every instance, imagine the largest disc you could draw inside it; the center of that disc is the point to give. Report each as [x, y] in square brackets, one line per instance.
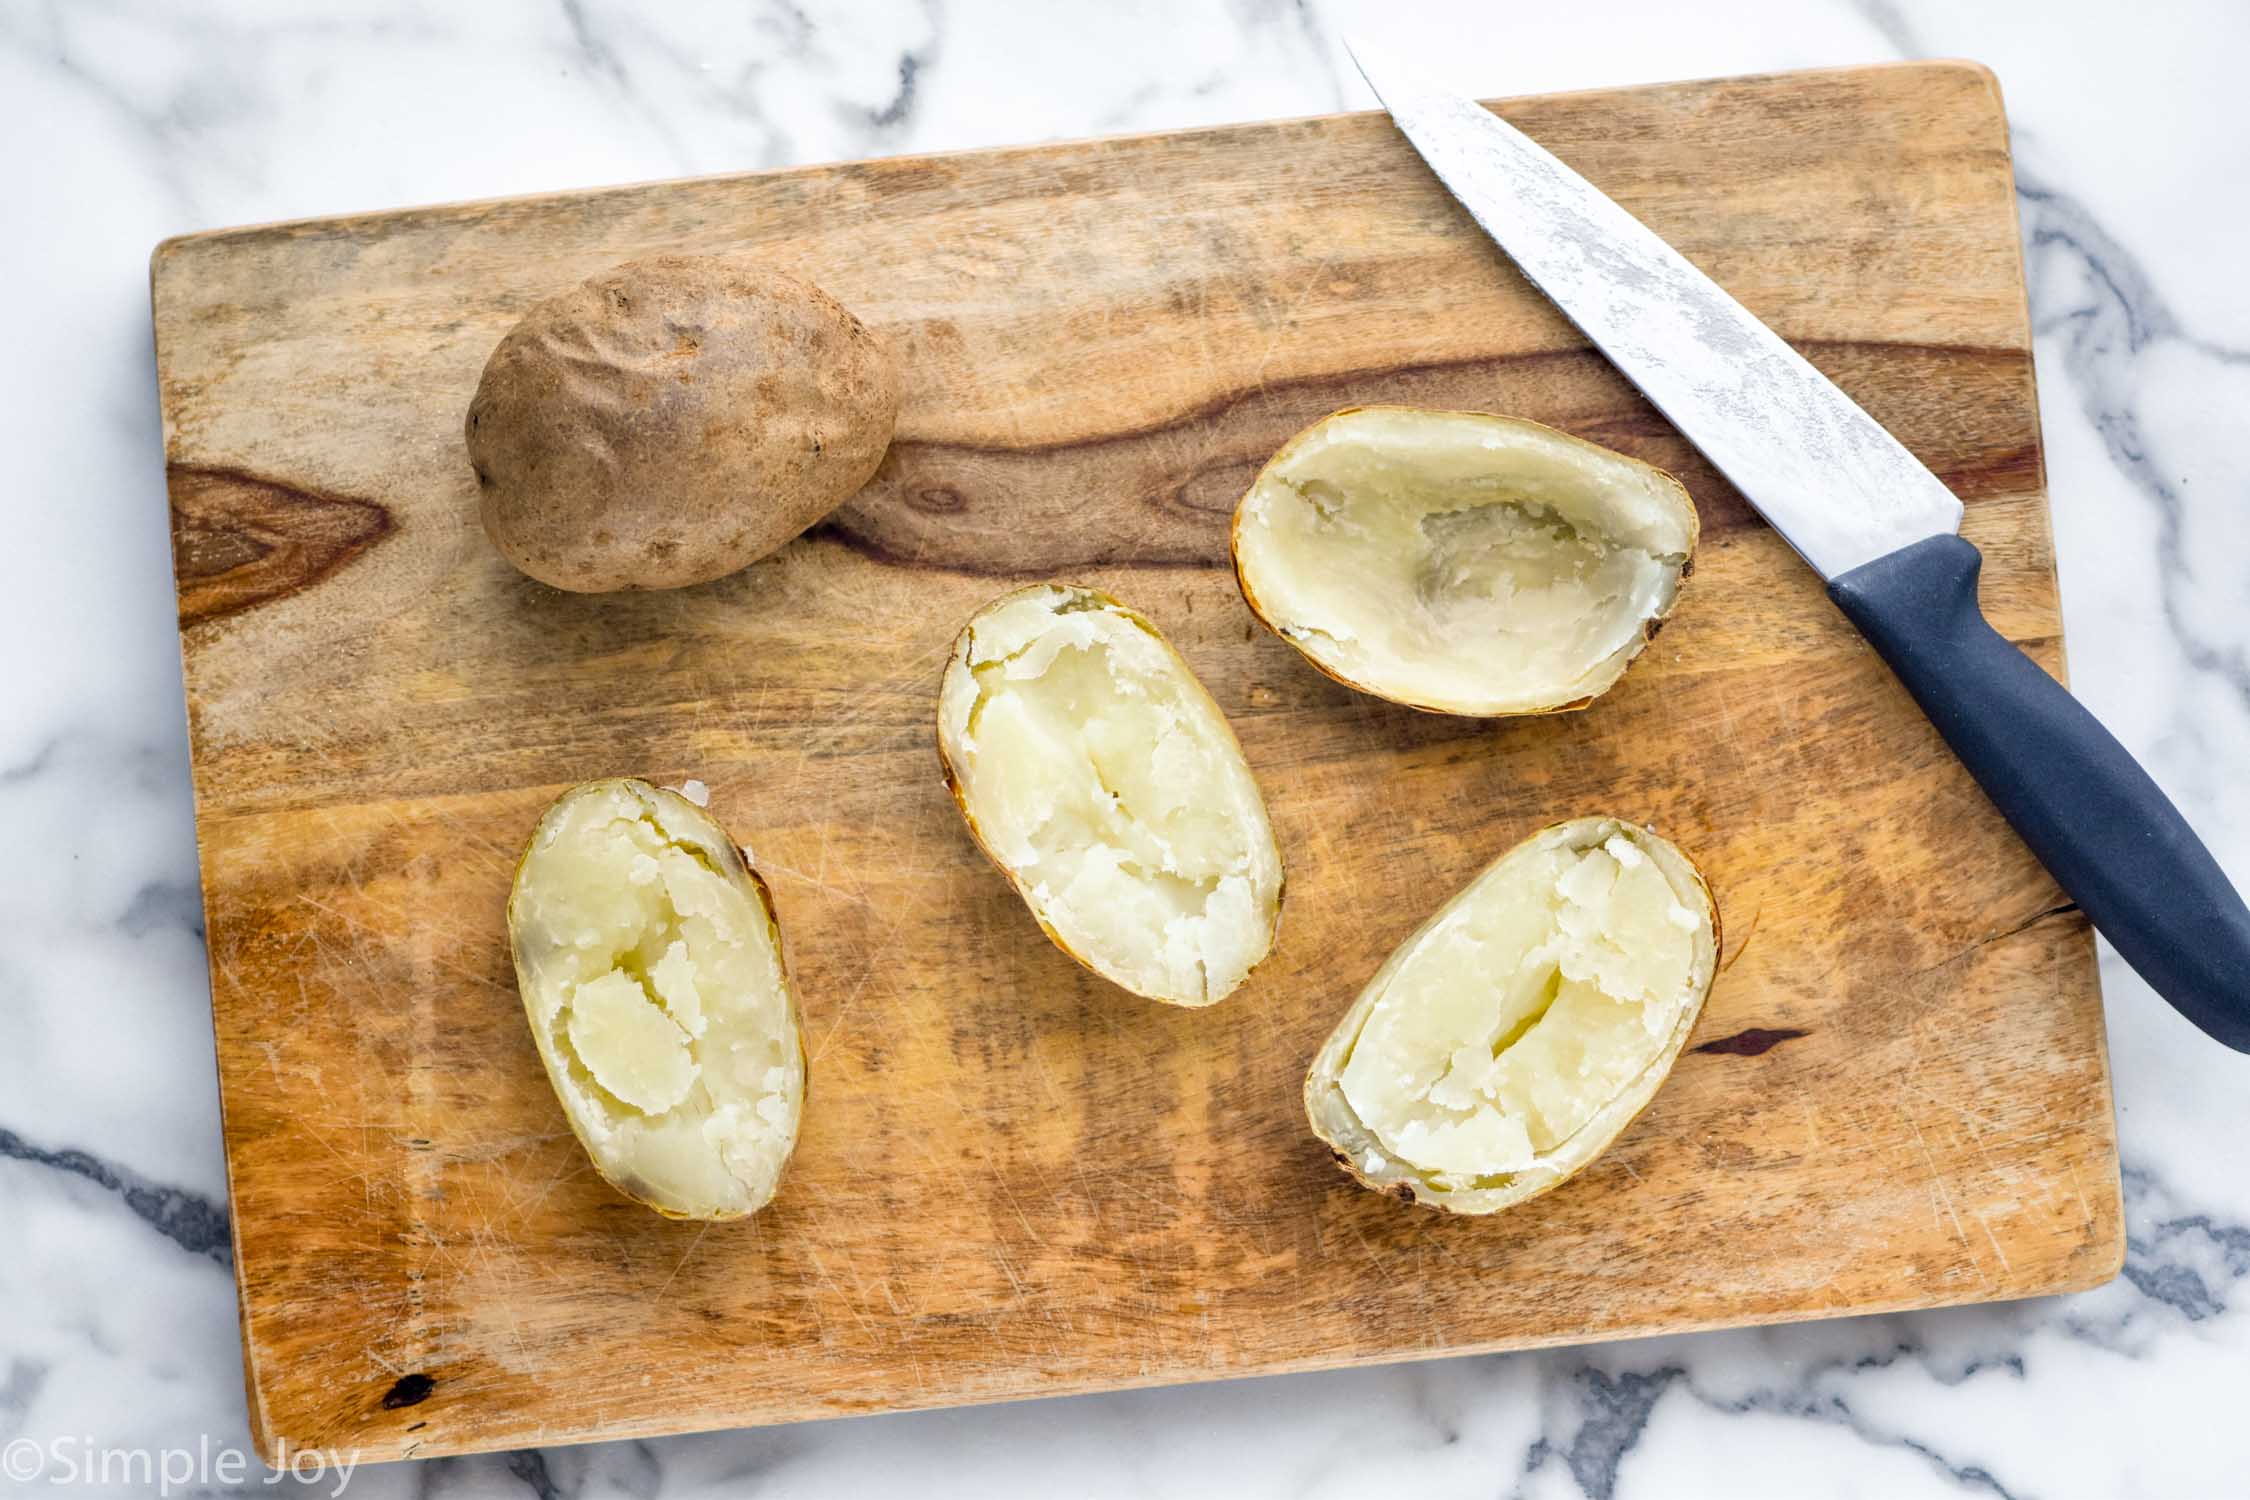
[1832, 481]
[1871, 519]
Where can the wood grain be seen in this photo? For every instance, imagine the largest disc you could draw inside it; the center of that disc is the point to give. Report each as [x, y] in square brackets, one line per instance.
[1015, 1180]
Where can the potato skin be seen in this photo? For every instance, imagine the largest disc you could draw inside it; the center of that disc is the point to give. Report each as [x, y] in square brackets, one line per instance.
[673, 420]
[1289, 450]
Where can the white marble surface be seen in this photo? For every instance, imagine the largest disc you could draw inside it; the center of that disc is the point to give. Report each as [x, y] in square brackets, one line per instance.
[127, 121]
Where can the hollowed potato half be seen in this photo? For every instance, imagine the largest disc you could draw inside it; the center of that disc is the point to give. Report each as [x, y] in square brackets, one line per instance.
[1103, 781]
[1517, 1033]
[650, 965]
[1459, 562]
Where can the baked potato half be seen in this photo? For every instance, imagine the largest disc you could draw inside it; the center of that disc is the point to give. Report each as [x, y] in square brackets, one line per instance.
[1099, 776]
[1505, 1044]
[649, 960]
[1460, 562]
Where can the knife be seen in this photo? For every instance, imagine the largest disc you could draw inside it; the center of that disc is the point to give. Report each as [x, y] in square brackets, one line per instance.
[1872, 521]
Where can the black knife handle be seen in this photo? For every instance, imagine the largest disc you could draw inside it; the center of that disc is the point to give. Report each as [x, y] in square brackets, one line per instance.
[2103, 829]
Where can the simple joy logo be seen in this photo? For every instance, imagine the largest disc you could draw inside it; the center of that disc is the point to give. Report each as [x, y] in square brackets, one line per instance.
[66, 1461]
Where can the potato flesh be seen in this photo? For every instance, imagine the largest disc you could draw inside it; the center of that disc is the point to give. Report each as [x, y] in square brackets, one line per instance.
[1451, 569]
[661, 995]
[1100, 775]
[1545, 991]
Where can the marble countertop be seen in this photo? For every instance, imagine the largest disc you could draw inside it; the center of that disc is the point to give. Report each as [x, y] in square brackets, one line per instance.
[129, 120]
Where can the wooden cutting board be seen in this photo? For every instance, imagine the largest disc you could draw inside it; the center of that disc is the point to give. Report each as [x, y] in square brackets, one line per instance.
[1013, 1179]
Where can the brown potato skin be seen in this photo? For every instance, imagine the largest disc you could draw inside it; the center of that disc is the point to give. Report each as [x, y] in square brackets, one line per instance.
[672, 420]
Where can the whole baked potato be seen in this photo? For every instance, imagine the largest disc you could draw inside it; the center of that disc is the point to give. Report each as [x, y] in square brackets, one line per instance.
[673, 420]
